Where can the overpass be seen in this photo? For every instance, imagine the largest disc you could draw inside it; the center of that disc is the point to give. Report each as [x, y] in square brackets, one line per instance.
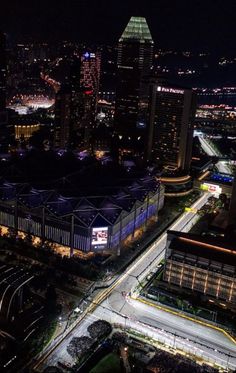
[12, 282]
[210, 150]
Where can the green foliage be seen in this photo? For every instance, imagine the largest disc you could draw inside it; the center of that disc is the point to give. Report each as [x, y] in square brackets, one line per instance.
[99, 329]
[79, 346]
[45, 254]
[42, 337]
[110, 363]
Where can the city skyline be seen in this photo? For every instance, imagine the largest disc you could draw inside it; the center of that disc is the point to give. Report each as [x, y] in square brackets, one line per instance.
[117, 187]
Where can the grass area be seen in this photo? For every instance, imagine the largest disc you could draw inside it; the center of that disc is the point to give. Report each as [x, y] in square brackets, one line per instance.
[110, 363]
[73, 291]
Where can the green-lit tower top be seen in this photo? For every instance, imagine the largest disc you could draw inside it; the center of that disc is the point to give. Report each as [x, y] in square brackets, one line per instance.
[137, 29]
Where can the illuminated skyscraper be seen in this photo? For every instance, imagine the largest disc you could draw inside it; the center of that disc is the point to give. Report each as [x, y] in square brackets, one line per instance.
[85, 79]
[2, 72]
[135, 54]
[4, 130]
[90, 73]
[172, 111]
[76, 105]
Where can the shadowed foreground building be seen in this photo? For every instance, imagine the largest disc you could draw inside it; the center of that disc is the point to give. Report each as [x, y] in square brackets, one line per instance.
[206, 265]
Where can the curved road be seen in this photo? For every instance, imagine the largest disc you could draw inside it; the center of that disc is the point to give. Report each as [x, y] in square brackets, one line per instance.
[115, 305]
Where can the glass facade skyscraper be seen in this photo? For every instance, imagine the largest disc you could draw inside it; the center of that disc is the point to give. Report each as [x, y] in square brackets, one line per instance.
[135, 55]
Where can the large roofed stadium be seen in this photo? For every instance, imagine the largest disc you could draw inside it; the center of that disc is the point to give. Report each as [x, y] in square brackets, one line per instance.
[84, 223]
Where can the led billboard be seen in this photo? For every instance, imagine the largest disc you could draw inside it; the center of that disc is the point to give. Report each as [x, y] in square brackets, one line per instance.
[99, 236]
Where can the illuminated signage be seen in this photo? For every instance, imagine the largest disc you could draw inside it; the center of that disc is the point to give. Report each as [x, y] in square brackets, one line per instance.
[141, 124]
[99, 236]
[170, 90]
[89, 55]
[212, 188]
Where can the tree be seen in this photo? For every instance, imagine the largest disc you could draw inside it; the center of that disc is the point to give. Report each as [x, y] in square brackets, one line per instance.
[120, 337]
[99, 329]
[78, 346]
[51, 299]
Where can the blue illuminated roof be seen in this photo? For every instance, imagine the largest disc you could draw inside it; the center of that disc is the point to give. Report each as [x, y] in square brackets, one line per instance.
[88, 211]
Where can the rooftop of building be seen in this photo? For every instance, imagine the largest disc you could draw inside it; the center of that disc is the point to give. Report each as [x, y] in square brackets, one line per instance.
[216, 249]
[137, 29]
[200, 162]
[220, 178]
[169, 87]
[94, 194]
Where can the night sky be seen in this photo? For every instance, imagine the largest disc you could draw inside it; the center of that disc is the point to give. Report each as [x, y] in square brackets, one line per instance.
[180, 24]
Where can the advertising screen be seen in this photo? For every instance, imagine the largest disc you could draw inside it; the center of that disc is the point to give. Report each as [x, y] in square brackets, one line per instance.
[99, 236]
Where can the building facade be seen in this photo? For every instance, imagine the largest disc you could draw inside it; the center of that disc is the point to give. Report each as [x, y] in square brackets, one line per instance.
[204, 265]
[2, 72]
[172, 111]
[25, 131]
[76, 102]
[135, 55]
[91, 224]
[62, 121]
[4, 130]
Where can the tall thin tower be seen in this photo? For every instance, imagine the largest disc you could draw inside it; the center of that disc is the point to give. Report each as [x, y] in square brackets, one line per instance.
[135, 55]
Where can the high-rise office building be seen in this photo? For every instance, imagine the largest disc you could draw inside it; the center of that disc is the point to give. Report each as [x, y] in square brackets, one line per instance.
[172, 110]
[76, 103]
[4, 129]
[90, 66]
[135, 55]
[2, 72]
[62, 124]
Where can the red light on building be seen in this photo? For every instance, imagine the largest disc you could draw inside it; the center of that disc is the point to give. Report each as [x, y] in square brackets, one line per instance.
[88, 92]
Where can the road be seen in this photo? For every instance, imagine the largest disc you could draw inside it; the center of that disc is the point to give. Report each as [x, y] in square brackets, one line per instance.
[117, 306]
[209, 150]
